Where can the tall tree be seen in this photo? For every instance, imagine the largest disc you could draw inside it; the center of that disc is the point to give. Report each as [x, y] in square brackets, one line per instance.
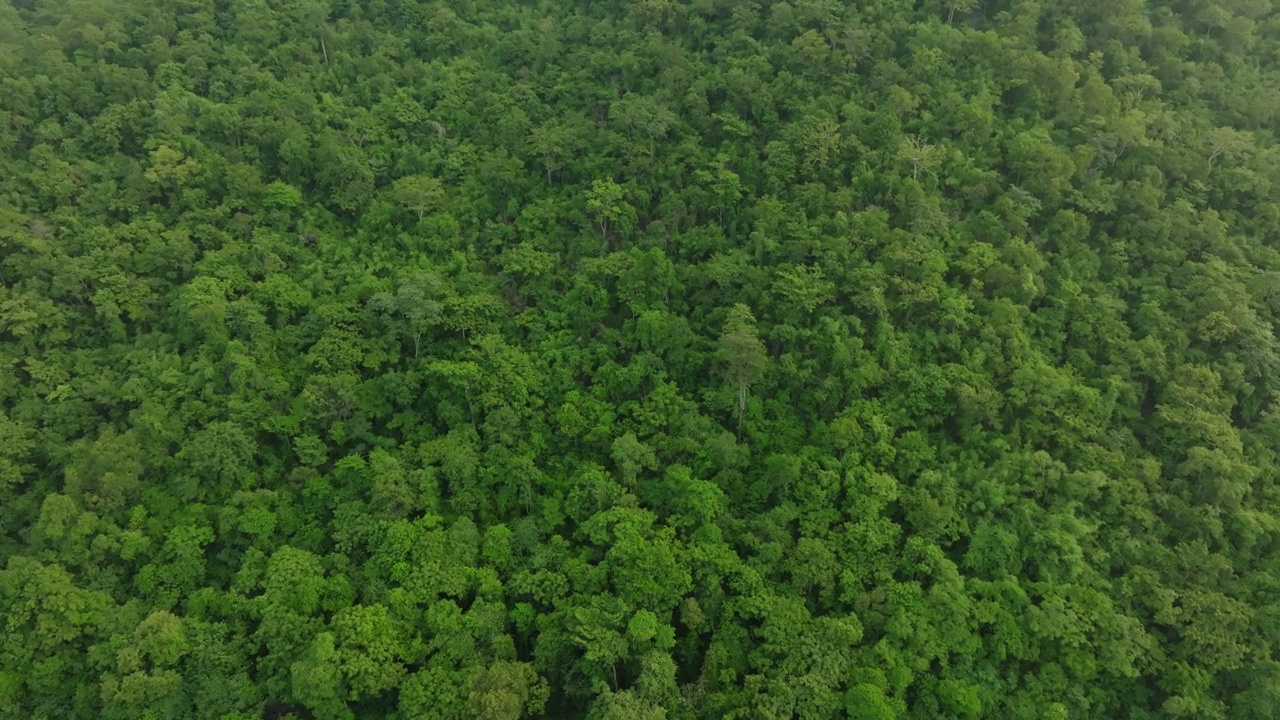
[742, 353]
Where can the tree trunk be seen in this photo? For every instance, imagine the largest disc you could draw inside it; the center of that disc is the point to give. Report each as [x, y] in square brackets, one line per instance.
[742, 403]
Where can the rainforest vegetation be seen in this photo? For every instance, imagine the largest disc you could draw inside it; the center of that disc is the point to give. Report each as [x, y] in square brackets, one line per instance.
[630, 360]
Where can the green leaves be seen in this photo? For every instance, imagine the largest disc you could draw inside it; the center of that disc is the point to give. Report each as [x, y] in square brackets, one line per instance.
[743, 353]
[642, 117]
[368, 651]
[868, 702]
[632, 456]
[419, 194]
[804, 286]
[279, 195]
[294, 581]
[415, 308]
[605, 201]
[317, 680]
[505, 691]
[169, 167]
[376, 361]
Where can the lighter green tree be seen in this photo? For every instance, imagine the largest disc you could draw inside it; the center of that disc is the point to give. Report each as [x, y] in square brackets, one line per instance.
[605, 201]
[419, 194]
[743, 353]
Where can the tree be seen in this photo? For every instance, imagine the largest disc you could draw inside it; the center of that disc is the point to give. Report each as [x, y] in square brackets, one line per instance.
[415, 307]
[804, 286]
[50, 621]
[280, 195]
[743, 353]
[554, 143]
[922, 156]
[368, 649]
[146, 682]
[1225, 142]
[318, 683]
[961, 6]
[505, 691]
[605, 201]
[868, 702]
[419, 194]
[625, 704]
[632, 456]
[723, 185]
[644, 117]
[170, 167]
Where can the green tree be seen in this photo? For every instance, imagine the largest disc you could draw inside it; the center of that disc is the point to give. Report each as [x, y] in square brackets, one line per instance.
[368, 649]
[505, 691]
[419, 194]
[415, 308]
[742, 353]
[605, 200]
[318, 683]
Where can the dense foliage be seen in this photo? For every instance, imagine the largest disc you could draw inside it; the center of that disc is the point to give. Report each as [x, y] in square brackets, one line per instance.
[709, 359]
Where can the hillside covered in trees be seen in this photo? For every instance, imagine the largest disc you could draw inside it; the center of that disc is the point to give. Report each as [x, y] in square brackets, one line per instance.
[635, 360]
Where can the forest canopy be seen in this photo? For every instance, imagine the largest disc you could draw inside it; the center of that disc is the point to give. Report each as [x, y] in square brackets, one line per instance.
[637, 360]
